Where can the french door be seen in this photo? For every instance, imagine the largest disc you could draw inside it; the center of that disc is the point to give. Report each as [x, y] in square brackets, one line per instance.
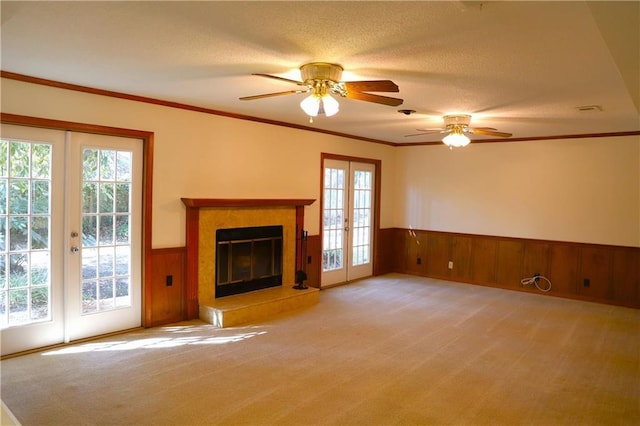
[347, 211]
[70, 236]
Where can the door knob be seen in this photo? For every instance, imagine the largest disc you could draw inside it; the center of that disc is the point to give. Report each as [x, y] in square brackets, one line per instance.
[74, 249]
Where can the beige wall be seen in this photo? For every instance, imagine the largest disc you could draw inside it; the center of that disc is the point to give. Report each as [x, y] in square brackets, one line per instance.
[200, 155]
[581, 190]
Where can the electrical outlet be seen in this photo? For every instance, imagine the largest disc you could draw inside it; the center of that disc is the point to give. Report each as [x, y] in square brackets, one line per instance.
[451, 264]
[587, 282]
[419, 261]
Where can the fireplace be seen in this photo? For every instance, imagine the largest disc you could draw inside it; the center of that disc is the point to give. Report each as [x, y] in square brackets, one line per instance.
[248, 259]
[205, 216]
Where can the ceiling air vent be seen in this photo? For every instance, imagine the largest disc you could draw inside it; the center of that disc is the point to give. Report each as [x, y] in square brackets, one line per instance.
[589, 108]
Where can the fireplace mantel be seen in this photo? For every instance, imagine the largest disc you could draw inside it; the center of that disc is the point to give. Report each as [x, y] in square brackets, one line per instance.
[194, 207]
[245, 202]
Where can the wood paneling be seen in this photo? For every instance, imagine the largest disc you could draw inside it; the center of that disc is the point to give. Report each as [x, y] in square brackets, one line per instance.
[167, 292]
[314, 260]
[613, 271]
[509, 272]
[384, 255]
[596, 268]
[535, 259]
[626, 275]
[415, 247]
[191, 269]
[438, 254]
[484, 260]
[563, 268]
[461, 248]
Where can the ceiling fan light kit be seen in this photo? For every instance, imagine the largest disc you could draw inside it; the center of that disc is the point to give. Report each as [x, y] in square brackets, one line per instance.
[456, 139]
[320, 104]
[457, 125]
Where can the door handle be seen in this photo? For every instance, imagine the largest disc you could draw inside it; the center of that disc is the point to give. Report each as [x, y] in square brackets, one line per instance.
[74, 249]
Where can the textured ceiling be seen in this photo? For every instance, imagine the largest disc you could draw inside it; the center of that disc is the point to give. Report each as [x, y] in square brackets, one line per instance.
[520, 67]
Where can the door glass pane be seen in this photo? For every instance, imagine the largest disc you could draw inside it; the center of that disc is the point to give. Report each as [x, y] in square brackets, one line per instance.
[25, 232]
[333, 219]
[123, 193]
[89, 197]
[106, 197]
[106, 239]
[361, 217]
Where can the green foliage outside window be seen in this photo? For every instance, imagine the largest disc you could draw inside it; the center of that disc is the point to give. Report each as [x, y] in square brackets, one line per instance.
[25, 173]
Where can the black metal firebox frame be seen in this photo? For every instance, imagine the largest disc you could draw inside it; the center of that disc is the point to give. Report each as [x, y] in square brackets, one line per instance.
[257, 263]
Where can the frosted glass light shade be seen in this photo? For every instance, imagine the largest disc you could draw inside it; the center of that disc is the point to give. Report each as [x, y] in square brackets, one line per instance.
[331, 106]
[455, 139]
[314, 105]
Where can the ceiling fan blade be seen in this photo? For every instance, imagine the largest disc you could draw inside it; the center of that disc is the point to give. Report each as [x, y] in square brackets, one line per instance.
[484, 131]
[486, 128]
[371, 86]
[299, 83]
[268, 95]
[427, 132]
[367, 97]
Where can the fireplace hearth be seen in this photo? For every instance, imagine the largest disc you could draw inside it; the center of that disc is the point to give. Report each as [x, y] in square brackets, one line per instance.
[248, 259]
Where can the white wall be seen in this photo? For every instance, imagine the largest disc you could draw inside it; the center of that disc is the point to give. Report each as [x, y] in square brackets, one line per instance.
[581, 190]
[200, 155]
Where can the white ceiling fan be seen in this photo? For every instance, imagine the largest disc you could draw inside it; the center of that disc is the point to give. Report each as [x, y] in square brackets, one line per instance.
[456, 125]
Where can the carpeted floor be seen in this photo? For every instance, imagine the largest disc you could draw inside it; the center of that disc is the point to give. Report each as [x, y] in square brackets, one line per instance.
[388, 350]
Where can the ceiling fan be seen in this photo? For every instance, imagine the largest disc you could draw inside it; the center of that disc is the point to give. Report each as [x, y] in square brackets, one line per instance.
[456, 125]
[321, 80]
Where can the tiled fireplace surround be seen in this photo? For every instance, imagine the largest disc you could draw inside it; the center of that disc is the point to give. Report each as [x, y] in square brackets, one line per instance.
[204, 217]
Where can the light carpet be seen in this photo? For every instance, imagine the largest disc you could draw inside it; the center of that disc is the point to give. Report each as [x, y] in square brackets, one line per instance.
[395, 349]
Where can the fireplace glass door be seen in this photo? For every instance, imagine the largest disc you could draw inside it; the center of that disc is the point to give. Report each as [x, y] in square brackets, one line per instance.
[248, 259]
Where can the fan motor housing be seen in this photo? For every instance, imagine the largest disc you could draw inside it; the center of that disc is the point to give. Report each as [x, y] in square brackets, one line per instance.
[321, 71]
[457, 120]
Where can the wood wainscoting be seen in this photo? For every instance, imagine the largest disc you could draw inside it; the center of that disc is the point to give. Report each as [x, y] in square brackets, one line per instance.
[314, 260]
[166, 303]
[591, 272]
[166, 297]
